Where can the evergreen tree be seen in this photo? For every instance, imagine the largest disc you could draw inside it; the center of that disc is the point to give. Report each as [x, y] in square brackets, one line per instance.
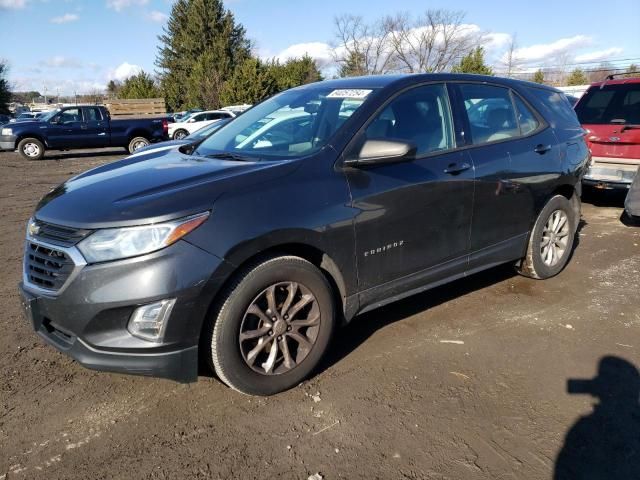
[141, 85]
[201, 46]
[354, 66]
[295, 72]
[538, 77]
[473, 63]
[577, 77]
[251, 83]
[5, 94]
[113, 88]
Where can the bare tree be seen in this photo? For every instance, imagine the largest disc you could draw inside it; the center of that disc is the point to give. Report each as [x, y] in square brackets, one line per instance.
[434, 42]
[601, 72]
[364, 48]
[510, 60]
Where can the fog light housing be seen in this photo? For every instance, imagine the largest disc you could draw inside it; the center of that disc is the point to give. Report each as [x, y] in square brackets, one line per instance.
[150, 321]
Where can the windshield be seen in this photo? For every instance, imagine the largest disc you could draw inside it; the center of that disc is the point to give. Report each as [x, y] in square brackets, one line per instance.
[293, 124]
[49, 115]
[617, 104]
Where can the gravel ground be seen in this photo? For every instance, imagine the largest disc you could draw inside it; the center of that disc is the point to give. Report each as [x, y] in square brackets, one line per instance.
[467, 381]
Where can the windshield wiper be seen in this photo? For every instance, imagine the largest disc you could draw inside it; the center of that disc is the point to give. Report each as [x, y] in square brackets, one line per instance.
[230, 156]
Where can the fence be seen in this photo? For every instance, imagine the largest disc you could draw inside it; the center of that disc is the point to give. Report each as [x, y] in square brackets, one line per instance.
[146, 106]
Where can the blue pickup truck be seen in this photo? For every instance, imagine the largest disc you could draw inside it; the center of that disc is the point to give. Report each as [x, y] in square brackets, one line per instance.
[80, 127]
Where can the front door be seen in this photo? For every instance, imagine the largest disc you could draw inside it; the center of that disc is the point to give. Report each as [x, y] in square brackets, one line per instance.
[66, 129]
[414, 217]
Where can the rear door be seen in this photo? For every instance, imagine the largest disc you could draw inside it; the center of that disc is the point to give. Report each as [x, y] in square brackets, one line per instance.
[611, 114]
[97, 128]
[515, 156]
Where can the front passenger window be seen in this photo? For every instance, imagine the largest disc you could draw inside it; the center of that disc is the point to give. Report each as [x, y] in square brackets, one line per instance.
[490, 113]
[420, 116]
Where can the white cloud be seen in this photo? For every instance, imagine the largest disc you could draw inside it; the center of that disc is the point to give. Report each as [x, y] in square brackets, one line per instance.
[119, 5]
[124, 71]
[598, 55]
[59, 61]
[156, 16]
[549, 51]
[321, 52]
[12, 4]
[66, 18]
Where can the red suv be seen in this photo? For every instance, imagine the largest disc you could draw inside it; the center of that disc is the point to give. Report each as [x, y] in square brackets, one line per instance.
[610, 112]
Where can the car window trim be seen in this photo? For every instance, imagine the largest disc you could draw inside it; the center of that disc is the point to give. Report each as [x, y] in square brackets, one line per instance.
[543, 124]
[357, 136]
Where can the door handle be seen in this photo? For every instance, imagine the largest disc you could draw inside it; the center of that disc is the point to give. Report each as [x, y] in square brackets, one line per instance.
[455, 168]
[542, 149]
[83, 127]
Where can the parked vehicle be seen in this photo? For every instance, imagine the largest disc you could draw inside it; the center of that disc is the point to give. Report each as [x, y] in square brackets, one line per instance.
[80, 127]
[251, 254]
[572, 100]
[632, 201]
[4, 119]
[184, 115]
[610, 112]
[179, 130]
[193, 138]
[26, 116]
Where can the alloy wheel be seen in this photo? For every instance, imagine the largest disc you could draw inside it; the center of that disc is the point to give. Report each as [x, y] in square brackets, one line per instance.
[555, 238]
[279, 328]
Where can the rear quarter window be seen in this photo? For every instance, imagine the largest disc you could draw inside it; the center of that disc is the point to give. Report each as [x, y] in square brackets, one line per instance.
[557, 109]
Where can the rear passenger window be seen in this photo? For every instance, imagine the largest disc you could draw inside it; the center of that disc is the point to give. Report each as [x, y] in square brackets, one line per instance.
[563, 115]
[490, 112]
[526, 119]
[420, 116]
[93, 115]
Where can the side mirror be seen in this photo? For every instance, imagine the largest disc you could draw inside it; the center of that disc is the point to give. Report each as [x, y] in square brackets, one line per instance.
[380, 152]
[56, 120]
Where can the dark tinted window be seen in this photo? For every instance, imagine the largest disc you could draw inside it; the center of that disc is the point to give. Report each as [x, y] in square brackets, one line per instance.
[558, 110]
[526, 118]
[490, 113]
[610, 104]
[420, 116]
[71, 115]
[93, 114]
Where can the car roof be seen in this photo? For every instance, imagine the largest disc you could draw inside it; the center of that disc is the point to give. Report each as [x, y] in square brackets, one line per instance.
[617, 81]
[400, 80]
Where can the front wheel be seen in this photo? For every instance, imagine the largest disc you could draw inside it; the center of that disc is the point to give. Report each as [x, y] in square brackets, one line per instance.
[273, 326]
[31, 149]
[551, 240]
[137, 143]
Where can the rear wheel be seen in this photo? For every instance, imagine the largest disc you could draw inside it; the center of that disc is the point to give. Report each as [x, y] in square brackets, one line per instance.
[31, 149]
[551, 240]
[137, 143]
[180, 134]
[273, 326]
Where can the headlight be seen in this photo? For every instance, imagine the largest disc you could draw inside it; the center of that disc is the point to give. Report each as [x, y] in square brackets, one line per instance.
[115, 243]
[7, 131]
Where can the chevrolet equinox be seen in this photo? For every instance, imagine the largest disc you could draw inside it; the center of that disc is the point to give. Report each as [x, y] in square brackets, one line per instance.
[323, 202]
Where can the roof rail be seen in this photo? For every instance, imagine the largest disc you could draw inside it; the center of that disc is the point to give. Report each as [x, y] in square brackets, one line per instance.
[613, 75]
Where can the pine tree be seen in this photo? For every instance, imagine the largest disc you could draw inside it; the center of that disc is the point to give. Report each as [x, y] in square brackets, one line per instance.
[5, 94]
[201, 46]
[538, 77]
[354, 66]
[577, 77]
[250, 83]
[141, 85]
[473, 63]
[295, 72]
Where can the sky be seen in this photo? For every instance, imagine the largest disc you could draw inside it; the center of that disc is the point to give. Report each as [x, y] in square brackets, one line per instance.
[69, 46]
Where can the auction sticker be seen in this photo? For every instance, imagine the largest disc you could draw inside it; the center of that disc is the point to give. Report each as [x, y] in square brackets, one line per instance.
[349, 93]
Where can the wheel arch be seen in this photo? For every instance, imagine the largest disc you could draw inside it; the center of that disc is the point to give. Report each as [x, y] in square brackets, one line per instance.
[38, 137]
[138, 132]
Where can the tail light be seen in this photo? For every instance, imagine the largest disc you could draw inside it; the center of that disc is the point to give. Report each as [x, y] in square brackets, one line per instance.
[165, 126]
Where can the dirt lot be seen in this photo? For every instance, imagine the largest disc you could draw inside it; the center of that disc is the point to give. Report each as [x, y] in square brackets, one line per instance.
[396, 398]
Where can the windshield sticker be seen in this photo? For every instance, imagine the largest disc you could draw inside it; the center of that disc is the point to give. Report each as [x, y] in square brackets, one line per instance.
[349, 93]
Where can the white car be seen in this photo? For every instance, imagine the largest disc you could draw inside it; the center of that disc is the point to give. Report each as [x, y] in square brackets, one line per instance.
[196, 121]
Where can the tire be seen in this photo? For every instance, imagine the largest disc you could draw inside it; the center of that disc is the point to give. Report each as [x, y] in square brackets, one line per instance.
[137, 143]
[540, 262]
[180, 134]
[232, 359]
[31, 149]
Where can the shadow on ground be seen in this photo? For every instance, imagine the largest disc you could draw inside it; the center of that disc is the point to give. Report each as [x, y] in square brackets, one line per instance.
[68, 155]
[606, 443]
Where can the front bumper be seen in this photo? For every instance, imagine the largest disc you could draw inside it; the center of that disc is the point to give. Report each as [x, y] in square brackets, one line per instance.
[88, 318]
[7, 142]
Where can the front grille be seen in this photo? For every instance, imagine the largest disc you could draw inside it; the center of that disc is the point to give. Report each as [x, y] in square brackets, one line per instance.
[67, 236]
[47, 267]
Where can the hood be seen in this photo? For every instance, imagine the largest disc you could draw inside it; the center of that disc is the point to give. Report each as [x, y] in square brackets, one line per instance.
[158, 147]
[150, 188]
[24, 123]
